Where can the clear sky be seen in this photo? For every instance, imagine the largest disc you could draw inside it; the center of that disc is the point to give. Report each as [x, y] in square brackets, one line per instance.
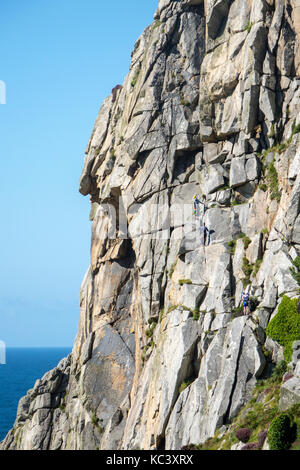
[59, 60]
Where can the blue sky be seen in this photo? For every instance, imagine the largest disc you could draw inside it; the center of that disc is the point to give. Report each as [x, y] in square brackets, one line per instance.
[59, 60]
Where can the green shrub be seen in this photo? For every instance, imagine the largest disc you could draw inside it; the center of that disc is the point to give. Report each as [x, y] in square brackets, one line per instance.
[144, 352]
[172, 307]
[184, 102]
[272, 133]
[232, 245]
[296, 272]
[257, 265]
[94, 419]
[238, 311]
[295, 128]
[236, 202]
[285, 326]
[280, 433]
[156, 24]
[196, 314]
[172, 268]
[281, 147]
[185, 384]
[246, 241]
[248, 27]
[272, 178]
[149, 331]
[247, 267]
[278, 372]
[240, 235]
[135, 78]
[184, 281]
[296, 262]
[161, 315]
[263, 187]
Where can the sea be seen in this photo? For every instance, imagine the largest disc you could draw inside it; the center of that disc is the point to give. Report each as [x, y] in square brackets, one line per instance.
[23, 366]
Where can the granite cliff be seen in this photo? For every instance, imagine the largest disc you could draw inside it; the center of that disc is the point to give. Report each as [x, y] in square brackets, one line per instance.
[164, 357]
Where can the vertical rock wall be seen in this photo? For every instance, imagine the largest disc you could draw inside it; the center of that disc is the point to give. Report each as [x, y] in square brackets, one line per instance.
[211, 107]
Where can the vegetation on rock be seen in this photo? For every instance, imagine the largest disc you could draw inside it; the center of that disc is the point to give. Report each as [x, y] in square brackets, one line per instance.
[281, 433]
[285, 326]
[243, 434]
[261, 419]
[296, 270]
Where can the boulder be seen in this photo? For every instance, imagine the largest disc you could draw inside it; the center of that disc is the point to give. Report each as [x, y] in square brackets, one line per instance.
[295, 356]
[253, 167]
[254, 250]
[223, 197]
[217, 11]
[217, 394]
[87, 348]
[296, 231]
[212, 153]
[212, 178]
[218, 222]
[289, 393]
[192, 295]
[238, 175]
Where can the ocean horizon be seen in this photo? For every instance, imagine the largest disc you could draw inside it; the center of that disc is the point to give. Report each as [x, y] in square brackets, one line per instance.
[24, 365]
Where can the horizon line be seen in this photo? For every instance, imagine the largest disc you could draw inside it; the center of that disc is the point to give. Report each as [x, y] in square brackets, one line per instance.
[40, 347]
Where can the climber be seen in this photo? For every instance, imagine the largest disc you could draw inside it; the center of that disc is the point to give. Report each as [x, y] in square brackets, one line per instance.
[206, 234]
[197, 203]
[245, 300]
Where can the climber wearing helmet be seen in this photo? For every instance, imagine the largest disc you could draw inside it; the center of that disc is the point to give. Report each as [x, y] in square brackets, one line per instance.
[196, 205]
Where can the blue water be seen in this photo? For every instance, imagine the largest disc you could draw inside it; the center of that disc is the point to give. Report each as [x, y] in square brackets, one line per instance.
[23, 367]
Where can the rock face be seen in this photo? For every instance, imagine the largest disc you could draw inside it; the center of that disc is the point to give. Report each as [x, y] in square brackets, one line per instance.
[162, 359]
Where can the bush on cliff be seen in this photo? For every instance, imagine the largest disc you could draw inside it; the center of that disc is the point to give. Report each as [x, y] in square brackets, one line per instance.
[243, 434]
[285, 326]
[280, 433]
[295, 271]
